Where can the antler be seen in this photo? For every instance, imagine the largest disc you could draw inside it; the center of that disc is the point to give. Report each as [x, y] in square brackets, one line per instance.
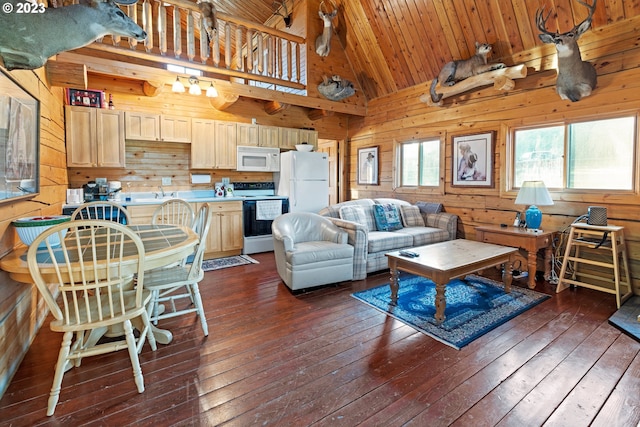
[592, 9]
[335, 7]
[541, 22]
[287, 15]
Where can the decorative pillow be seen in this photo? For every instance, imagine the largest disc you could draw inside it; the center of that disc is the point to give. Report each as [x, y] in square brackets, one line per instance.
[387, 217]
[411, 216]
[429, 208]
[355, 214]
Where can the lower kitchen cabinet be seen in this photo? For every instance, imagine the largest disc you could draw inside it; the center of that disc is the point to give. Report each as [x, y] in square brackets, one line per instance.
[141, 214]
[225, 234]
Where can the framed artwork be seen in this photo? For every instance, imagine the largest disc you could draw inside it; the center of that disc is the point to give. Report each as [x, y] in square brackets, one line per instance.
[473, 160]
[368, 163]
[85, 98]
[19, 141]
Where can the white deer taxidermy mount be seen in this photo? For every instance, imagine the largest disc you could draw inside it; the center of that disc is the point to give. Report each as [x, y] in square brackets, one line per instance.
[323, 41]
[576, 78]
[28, 40]
[209, 19]
[335, 88]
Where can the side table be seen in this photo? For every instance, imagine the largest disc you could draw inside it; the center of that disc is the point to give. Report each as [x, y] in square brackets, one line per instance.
[526, 241]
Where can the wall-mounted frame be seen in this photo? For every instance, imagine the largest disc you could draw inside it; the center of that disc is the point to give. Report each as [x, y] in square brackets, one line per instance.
[368, 166]
[473, 160]
[85, 98]
[19, 141]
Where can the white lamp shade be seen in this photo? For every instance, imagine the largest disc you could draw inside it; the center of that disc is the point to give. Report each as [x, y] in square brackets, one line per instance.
[212, 92]
[534, 193]
[177, 86]
[194, 89]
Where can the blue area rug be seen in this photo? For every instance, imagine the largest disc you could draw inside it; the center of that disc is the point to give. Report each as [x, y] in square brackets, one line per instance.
[627, 318]
[474, 306]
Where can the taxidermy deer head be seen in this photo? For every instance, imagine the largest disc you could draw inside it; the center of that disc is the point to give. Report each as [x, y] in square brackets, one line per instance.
[335, 88]
[323, 42]
[576, 78]
[286, 15]
[28, 40]
[209, 20]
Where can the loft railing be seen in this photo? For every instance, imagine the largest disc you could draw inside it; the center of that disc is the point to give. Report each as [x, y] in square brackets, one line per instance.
[248, 52]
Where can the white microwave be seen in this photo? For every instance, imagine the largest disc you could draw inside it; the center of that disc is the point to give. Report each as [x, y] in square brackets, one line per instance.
[258, 159]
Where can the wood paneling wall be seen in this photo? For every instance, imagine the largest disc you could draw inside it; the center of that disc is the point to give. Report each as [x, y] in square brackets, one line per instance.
[21, 311]
[402, 117]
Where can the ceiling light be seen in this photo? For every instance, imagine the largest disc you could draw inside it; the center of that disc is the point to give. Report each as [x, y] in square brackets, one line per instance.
[194, 86]
[212, 92]
[177, 86]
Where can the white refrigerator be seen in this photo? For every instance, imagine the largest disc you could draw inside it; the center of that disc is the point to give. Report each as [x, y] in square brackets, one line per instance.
[304, 179]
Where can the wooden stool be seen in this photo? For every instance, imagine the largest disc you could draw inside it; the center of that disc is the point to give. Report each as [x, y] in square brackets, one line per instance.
[598, 237]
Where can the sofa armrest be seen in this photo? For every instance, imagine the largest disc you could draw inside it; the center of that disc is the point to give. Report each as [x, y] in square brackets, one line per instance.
[334, 234]
[358, 237]
[443, 220]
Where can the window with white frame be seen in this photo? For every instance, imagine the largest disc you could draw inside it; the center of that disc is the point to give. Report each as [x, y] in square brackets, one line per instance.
[590, 155]
[419, 163]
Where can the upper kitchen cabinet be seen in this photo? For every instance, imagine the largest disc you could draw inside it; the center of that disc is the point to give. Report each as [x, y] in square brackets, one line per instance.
[248, 134]
[269, 136]
[95, 137]
[156, 127]
[309, 136]
[213, 144]
[289, 138]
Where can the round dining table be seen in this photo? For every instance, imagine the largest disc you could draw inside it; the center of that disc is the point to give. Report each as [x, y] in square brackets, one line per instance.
[164, 245]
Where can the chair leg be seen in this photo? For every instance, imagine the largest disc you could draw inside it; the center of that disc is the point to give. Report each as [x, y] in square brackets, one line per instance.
[147, 327]
[133, 355]
[63, 358]
[195, 291]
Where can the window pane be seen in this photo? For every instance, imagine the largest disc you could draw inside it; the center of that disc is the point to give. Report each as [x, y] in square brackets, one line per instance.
[430, 163]
[410, 158]
[539, 156]
[601, 154]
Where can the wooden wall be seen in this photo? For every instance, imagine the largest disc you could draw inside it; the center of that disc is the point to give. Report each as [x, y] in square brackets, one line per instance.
[21, 311]
[402, 117]
[148, 162]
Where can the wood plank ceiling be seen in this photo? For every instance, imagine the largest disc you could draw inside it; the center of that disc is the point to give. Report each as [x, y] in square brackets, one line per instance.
[396, 44]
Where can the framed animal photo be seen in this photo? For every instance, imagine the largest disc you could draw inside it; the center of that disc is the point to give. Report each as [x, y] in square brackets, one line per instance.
[368, 162]
[473, 160]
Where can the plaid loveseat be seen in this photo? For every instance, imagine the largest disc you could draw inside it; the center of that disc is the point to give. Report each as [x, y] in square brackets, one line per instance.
[370, 244]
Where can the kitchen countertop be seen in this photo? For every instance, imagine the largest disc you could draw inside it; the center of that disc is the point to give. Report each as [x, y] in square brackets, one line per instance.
[194, 196]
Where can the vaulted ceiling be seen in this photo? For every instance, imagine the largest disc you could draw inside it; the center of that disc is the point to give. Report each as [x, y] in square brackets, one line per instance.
[395, 44]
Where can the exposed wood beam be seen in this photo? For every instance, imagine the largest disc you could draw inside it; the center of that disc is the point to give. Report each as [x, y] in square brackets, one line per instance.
[319, 114]
[223, 100]
[139, 72]
[274, 107]
[152, 88]
[66, 74]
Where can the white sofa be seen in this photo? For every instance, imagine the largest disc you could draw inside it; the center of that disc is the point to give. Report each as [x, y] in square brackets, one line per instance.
[371, 244]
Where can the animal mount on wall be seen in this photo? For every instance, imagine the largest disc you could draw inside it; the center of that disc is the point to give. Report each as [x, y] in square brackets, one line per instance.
[28, 40]
[209, 20]
[576, 78]
[335, 88]
[456, 71]
[285, 14]
[323, 41]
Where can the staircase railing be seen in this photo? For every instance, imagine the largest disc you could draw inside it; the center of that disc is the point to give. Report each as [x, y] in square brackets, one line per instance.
[248, 52]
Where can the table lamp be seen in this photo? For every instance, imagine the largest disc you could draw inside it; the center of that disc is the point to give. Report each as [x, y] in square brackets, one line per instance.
[534, 194]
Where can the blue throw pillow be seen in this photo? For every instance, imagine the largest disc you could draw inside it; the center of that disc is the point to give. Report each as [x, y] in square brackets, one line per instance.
[387, 217]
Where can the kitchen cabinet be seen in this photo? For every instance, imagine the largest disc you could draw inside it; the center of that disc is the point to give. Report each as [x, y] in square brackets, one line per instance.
[310, 137]
[157, 127]
[141, 214]
[213, 144]
[269, 136]
[289, 138]
[95, 137]
[225, 234]
[248, 134]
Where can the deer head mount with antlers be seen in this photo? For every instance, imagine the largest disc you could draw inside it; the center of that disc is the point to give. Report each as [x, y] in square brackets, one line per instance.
[576, 78]
[27, 41]
[285, 14]
[323, 41]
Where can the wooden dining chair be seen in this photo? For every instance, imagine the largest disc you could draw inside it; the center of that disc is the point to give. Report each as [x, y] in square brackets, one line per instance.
[168, 285]
[86, 281]
[102, 210]
[174, 212]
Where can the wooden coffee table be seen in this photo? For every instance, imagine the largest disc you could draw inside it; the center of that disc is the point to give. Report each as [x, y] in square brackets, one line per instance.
[444, 261]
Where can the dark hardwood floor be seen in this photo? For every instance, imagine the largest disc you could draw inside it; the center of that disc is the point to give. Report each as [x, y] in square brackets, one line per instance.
[323, 358]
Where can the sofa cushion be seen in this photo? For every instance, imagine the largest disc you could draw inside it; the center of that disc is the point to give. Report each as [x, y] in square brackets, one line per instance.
[354, 213]
[429, 208]
[411, 216]
[388, 241]
[426, 235]
[387, 217]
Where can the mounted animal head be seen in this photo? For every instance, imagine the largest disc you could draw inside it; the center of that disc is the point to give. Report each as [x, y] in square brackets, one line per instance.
[576, 78]
[209, 19]
[323, 41]
[27, 41]
[285, 14]
[335, 88]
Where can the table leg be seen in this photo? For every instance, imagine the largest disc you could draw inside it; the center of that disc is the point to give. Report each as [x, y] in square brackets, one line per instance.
[507, 275]
[532, 260]
[548, 254]
[441, 302]
[162, 336]
[394, 282]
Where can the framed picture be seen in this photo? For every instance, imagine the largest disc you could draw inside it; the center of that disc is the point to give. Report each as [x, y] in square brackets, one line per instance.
[85, 98]
[368, 162]
[473, 160]
[19, 141]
